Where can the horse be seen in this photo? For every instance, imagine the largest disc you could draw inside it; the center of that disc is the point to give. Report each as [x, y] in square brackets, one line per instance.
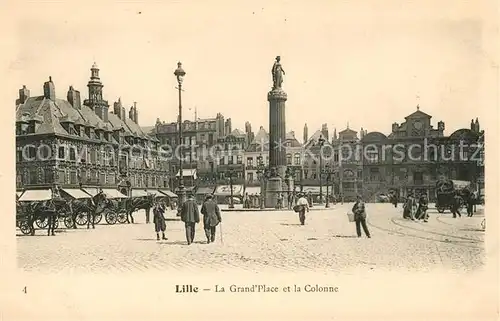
[92, 206]
[139, 203]
[42, 210]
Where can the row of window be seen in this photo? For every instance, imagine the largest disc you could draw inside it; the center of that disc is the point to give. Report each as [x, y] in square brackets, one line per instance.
[69, 153]
[34, 176]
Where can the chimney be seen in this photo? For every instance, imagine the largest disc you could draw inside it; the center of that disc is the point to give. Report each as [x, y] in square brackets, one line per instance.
[124, 113]
[24, 94]
[361, 133]
[74, 98]
[117, 108]
[136, 114]
[306, 134]
[324, 131]
[131, 114]
[49, 90]
[227, 127]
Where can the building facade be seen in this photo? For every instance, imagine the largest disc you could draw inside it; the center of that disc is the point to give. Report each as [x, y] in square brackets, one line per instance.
[415, 155]
[347, 165]
[73, 143]
[257, 157]
[199, 138]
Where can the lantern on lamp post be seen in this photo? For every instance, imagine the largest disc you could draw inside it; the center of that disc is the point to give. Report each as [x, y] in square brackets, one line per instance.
[179, 74]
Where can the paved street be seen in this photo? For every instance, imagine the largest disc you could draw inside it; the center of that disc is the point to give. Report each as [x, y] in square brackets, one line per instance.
[265, 241]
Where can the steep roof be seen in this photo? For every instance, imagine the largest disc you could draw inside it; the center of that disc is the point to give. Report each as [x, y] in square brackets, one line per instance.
[237, 132]
[52, 112]
[261, 136]
[348, 131]
[418, 114]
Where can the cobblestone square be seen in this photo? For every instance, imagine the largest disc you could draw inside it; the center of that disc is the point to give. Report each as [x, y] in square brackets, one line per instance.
[264, 241]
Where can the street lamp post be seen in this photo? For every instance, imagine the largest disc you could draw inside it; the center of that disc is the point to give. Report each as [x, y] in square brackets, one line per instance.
[328, 172]
[179, 74]
[231, 203]
[260, 173]
[321, 142]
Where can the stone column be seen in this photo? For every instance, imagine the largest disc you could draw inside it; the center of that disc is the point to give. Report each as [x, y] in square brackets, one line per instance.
[277, 136]
[277, 130]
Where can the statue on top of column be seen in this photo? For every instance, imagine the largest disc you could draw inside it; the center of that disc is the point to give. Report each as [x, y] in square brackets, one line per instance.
[278, 73]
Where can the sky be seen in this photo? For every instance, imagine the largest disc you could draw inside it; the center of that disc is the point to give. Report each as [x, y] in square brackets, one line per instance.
[366, 63]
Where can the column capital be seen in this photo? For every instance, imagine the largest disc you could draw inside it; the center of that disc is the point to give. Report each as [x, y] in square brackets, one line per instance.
[277, 95]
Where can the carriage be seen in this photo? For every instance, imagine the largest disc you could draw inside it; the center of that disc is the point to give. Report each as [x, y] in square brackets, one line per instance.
[25, 203]
[115, 210]
[446, 189]
[22, 216]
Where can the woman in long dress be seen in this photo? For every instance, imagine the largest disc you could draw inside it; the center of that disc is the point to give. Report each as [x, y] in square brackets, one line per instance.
[278, 73]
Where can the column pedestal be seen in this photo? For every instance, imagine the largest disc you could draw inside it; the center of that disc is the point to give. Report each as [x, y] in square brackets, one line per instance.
[273, 187]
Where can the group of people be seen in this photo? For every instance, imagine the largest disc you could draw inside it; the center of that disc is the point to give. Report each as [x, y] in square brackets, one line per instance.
[190, 215]
[415, 207]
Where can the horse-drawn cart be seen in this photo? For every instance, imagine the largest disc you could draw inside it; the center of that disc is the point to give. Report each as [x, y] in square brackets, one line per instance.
[115, 210]
[446, 189]
[37, 206]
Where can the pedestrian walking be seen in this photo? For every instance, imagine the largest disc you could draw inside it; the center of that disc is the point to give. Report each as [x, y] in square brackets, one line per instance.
[394, 199]
[301, 207]
[291, 197]
[470, 204]
[159, 220]
[422, 208]
[409, 207]
[211, 218]
[455, 207]
[359, 212]
[190, 216]
[310, 199]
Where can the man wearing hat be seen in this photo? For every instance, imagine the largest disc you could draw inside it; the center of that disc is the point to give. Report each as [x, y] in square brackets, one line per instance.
[359, 211]
[190, 216]
[211, 217]
[159, 220]
[301, 207]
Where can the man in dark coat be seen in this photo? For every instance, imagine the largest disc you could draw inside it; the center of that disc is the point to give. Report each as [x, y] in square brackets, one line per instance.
[159, 220]
[359, 211]
[455, 206]
[190, 216]
[211, 217]
[422, 208]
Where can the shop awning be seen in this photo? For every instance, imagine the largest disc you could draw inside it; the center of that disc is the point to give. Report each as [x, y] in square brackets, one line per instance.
[460, 184]
[205, 190]
[18, 194]
[168, 193]
[187, 173]
[225, 190]
[36, 195]
[139, 193]
[312, 189]
[154, 192]
[92, 191]
[252, 190]
[76, 193]
[113, 193]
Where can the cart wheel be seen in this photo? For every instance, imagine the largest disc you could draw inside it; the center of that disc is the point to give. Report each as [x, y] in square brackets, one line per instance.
[97, 218]
[122, 218]
[56, 223]
[42, 222]
[440, 209]
[81, 218]
[68, 221]
[111, 218]
[24, 227]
